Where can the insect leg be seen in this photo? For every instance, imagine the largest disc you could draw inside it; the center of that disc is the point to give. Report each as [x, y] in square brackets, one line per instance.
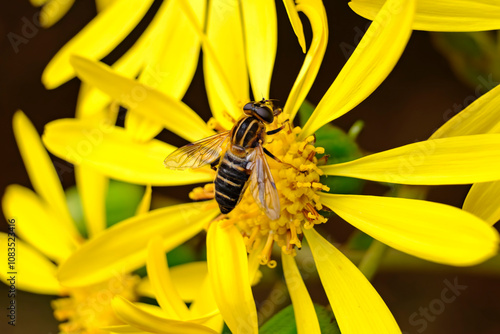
[272, 156]
[275, 131]
[214, 164]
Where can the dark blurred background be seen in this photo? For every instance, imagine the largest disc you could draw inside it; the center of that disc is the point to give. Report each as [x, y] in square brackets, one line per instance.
[420, 94]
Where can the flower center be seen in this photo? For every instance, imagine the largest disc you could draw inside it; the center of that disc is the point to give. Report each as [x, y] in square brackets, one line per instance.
[297, 188]
[297, 191]
[88, 309]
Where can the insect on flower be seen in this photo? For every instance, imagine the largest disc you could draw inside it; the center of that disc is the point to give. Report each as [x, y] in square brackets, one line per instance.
[242, 163]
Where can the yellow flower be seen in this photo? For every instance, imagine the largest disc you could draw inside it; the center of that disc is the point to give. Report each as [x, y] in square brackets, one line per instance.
[442, 15]
[166, 64]
[429, 230]
[53, 10]
[480, 117]
[173, 316]
[49, 235]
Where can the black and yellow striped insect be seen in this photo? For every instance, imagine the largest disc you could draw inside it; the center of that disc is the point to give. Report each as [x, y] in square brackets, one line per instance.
[238, 157]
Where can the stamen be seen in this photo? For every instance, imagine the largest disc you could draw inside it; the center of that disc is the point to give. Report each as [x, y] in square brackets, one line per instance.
[88, 309]
[265, 255]
[294, 239]
[228, 222]
[251, 240]
[323, 160]
[297, 180]
[203, 193]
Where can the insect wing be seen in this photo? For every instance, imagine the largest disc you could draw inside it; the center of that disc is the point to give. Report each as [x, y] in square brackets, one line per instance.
[262, 185]
[197, 154]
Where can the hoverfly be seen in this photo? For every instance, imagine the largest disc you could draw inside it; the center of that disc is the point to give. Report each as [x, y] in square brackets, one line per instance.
[243, 162]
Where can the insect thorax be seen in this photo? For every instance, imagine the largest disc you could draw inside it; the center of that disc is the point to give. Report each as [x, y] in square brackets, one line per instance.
[248, 132]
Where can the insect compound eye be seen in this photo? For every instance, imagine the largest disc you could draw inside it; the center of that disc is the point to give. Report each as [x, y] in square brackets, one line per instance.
[249, 106]
[265, 113]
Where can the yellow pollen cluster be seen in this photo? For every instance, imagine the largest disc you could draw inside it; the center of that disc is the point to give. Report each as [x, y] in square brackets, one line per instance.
[297, 187]
[88, 309]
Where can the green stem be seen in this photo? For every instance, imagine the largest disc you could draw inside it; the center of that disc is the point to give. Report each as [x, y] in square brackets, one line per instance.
[372, 259]
[356, 129]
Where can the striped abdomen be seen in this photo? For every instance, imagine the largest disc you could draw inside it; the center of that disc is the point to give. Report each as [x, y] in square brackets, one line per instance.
[231, 181]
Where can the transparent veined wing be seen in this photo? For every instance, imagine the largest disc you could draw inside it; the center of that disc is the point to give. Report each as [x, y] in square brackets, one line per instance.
[262, 184]
[197, 154]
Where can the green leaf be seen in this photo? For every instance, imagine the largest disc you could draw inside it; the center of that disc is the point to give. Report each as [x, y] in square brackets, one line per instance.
[340, 147]
[122, 200]
[359, 241]
[284, 322]
[75, 209]
[327, 321]
[473, 56]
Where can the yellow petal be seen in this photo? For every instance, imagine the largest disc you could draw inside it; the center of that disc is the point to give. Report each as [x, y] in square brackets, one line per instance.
[53, 11]
[443, 15]
[141, 128]
[172, 113]
[90, 101]
[254, 258]
[231, 104]
[294, 18]
[225, 32]
[33, 272]
[102, 4]
[481, 116]
[141, 319]
[372, 61]
[483, 200]
[111, 151]
[432, 231]
[205, 304]
[171, 62]
[97, 39]
[122, 247]
[37, 224]
[41, 171]
[261, 40]
[124, 329]
[358, 308]
[92, 187]
[131, 63]
[228, 272]
[316, 14]
[163, 287]
[188, 279]
[38, 3]
[456, 160]
[153, 309]
[303, 308]
[145, 203]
